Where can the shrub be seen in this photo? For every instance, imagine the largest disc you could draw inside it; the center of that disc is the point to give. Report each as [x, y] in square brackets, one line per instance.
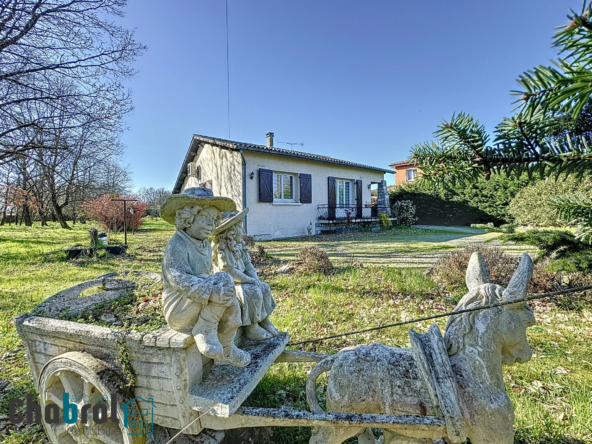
[384, 221]
[259, 256]
[450, 271]
[568, 253]
[431, 208]
[489, 225]
[315, 259]
[481, 201]
[507, 228]
[404, 211]
[532, 206]
[109, 214]
[491, 197]
[491, 228]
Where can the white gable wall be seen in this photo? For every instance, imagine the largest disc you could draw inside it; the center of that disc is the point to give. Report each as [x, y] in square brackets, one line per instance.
[284, 220]
[223, 167]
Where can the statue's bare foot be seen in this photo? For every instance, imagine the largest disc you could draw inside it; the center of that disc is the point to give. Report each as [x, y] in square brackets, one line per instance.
[267, 325]
[256, 333]
[233, 356]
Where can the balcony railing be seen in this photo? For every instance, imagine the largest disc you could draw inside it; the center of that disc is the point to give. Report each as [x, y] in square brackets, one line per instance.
[348, 212]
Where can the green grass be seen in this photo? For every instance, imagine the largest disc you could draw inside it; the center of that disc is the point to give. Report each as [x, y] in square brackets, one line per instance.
[388, 248]
[33, 267]
[551, 393]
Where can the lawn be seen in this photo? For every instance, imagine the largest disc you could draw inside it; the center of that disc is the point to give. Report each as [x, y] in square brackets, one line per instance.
[551, 393]
[401, 247]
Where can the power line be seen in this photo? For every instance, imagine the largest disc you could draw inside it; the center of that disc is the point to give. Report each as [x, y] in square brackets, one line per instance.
[450, 313]
[227, 70]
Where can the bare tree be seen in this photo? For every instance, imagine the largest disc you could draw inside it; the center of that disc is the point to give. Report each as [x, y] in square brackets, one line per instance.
[80, 158]
[47, 44]
[154, 197]
[7, 175]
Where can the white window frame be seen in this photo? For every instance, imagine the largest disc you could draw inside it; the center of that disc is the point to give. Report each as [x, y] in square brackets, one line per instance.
[410, 172]
[352, 191]
[294, 198]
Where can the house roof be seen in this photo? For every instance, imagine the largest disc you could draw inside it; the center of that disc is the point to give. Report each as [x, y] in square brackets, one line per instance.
[403, 162]
[233, 145]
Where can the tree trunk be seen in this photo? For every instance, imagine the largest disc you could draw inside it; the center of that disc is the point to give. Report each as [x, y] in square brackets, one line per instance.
[60, 217]
[53, 217]
[42, 217]
[3, 217]
[27, 216]
[57, 210]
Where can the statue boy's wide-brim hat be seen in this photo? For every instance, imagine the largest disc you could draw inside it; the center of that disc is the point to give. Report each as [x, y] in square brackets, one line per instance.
[232, 219]
[191, 197]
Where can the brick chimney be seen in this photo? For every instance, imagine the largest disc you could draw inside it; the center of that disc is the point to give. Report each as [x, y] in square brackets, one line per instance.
[269, 139]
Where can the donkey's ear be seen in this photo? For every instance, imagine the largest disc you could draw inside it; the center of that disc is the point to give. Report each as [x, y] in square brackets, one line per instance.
[477, 273]
[519, 282]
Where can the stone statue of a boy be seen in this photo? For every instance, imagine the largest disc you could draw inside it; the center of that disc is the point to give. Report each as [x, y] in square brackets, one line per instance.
[194, 299]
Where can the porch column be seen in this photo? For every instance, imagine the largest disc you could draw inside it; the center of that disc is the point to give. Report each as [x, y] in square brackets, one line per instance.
[383, 198]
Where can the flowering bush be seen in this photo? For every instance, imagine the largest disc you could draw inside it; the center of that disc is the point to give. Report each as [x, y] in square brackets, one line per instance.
[404, 211]
[109, 214]
[16, 198]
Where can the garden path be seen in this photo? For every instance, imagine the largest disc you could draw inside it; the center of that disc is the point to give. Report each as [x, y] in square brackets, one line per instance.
[420, 246]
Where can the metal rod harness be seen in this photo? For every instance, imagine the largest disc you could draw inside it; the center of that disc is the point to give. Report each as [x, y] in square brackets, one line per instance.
[450, 313]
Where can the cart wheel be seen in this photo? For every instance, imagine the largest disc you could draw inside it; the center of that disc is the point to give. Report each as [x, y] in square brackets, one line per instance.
[80, 374]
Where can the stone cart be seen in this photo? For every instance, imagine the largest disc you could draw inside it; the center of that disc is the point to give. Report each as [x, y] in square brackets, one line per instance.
[173, 385]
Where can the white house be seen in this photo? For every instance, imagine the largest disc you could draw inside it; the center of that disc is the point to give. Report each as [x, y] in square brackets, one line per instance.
[285, 190]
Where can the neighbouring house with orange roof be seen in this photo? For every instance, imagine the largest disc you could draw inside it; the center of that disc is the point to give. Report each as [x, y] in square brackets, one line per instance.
[405, 171]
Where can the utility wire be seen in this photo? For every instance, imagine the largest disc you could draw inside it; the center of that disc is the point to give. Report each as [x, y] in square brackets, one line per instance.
[227, 70]
[188, 425]
[450, 313]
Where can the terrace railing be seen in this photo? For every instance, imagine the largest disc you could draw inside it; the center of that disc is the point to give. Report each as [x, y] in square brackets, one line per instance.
[348, 212]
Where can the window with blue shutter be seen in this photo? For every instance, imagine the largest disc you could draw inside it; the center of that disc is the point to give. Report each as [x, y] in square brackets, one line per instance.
[265, 185]
[305, 188]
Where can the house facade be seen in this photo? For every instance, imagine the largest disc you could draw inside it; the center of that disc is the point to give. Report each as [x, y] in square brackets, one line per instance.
[287, 192]
[405, 171]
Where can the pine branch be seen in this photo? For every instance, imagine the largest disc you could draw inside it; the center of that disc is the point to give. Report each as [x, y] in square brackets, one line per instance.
[568, 85]
[576, 209]
[527, 147]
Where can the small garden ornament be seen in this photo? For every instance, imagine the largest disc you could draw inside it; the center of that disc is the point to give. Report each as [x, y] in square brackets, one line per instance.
[195, 300]
[231, 255]
[458, 377]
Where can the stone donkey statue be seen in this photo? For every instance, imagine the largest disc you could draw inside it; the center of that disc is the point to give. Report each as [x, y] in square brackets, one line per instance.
[379, 379]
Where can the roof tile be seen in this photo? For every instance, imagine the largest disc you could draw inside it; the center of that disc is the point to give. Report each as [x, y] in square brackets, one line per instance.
[266, 149]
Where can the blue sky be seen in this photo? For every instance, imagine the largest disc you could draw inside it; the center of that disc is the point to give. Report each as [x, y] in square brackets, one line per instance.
[359, 80]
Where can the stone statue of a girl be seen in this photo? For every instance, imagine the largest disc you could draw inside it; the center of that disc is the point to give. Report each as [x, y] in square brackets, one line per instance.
[231, 255]
[195, 300]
